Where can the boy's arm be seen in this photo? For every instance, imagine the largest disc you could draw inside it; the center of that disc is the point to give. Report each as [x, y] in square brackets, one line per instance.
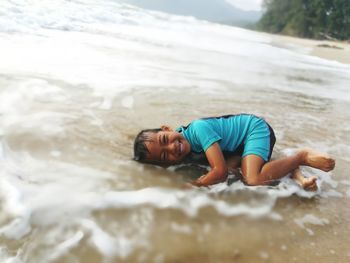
[218, 172]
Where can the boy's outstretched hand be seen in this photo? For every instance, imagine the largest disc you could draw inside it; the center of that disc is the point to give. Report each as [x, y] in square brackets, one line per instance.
[198, 182]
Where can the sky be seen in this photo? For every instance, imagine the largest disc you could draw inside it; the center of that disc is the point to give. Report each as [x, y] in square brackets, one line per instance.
[247, 4]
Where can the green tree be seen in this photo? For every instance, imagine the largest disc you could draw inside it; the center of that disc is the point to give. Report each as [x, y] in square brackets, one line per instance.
[307, 18]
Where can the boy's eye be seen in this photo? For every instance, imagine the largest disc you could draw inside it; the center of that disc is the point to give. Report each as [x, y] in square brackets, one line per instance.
[163, 156]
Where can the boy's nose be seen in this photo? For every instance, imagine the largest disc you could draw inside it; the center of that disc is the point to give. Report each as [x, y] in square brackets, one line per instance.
[171, 147]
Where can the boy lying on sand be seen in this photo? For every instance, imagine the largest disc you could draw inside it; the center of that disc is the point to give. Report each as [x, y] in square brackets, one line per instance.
[244, 135]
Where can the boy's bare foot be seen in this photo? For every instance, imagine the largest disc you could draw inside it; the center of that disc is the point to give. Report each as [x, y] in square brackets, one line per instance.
[317, 160]
[309, 184]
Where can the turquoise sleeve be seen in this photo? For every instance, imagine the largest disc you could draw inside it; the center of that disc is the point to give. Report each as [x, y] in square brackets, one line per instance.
[205, 134]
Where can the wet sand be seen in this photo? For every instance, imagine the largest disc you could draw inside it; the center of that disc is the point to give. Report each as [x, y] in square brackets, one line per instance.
[330, 50]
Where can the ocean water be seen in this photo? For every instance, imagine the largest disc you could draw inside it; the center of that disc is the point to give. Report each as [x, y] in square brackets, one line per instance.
[80, 78]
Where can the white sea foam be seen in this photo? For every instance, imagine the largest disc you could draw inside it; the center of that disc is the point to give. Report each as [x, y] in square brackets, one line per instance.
[310, 219]
[190, 202]
[64, 247]
[184, 229]
[109, 246]
[5, 257]
[14, 208]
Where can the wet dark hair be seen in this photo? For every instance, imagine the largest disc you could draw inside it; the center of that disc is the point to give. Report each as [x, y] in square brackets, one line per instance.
[140, 149]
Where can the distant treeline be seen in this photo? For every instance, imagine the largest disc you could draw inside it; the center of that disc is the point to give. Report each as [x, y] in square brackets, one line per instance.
[307, 18]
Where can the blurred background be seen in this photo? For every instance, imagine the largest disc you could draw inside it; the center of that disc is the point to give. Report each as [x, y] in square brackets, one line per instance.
[79, 79]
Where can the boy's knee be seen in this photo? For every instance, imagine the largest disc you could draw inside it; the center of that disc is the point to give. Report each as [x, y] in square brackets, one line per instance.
[252, 179]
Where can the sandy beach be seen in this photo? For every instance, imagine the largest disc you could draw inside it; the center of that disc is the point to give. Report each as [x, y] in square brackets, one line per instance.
[331, 50]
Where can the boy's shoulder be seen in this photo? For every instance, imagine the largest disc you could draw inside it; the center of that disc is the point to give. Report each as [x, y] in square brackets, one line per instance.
[202, 126]
[198, 123]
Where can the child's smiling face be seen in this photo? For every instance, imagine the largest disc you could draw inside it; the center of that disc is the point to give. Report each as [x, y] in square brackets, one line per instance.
[166, 147]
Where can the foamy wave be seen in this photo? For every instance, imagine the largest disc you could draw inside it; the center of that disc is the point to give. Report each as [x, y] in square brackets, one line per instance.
[29, 205]
[33, 196]
[111, 246]
[61, 15]
[15, 211]
[65, 246]
[36, 194]
[190, 202]
[311, 219]
[5, 256]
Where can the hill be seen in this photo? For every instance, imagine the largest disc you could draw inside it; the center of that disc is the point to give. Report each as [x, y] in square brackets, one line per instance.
[218, 11]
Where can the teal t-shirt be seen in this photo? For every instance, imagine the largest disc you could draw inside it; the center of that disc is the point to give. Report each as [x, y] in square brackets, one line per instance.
[229, 131]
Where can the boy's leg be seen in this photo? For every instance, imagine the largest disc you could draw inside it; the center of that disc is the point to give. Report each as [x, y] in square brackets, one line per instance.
[318, 160]
[256, 171]
[308, 184]
[233, 162]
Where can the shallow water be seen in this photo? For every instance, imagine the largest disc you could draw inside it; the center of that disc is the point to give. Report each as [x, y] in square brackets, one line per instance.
[78, 80]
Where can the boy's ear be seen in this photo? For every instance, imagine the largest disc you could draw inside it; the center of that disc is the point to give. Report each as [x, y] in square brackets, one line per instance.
[166, 128]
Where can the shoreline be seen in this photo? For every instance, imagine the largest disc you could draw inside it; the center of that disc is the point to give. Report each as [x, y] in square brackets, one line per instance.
[326, 49]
